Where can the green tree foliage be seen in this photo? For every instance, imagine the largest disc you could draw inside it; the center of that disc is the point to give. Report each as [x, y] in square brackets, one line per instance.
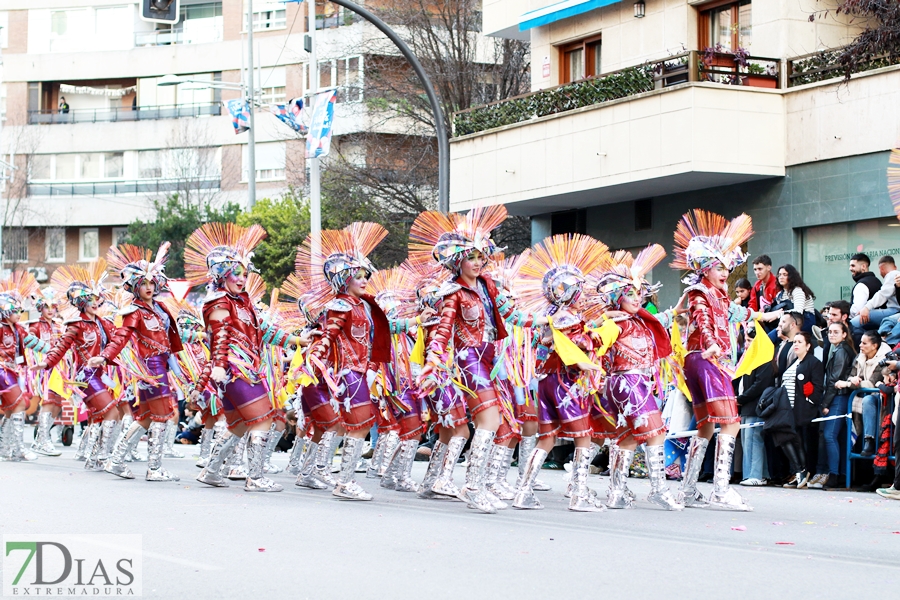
[175, 221]
[286, 221]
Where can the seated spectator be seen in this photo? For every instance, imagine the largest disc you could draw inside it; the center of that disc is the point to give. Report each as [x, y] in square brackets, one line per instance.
[883, 303]
[796, 297]
[749, 389]
[866, 374]
[838, 364]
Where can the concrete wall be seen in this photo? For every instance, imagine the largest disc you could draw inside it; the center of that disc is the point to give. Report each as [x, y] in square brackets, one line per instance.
[825, 192]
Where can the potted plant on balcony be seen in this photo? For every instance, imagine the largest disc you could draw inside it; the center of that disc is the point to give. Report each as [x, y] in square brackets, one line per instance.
[759, 76]
[720, 65]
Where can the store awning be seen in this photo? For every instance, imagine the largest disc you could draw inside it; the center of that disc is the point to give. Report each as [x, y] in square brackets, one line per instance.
[558, 11]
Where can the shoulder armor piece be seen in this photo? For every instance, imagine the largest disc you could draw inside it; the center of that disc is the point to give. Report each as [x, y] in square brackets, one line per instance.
[128, 310]
[566, 321]
[213, 296]
[449, 287]
[339, 305]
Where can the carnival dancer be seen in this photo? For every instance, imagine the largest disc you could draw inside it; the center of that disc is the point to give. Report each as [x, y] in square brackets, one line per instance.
[357, 332]
[48, 328]
[221, 255]
[635, 349]
[150, 327]
[394, 292]
[14, 340]
[87, 335]
[709, 247]
[447, 403]
[319, 409]
[472, 318]
[551, 282]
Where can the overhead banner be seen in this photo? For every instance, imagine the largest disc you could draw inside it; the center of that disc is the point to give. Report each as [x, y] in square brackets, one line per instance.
[289, 114]
[240, 114]
[318, 142]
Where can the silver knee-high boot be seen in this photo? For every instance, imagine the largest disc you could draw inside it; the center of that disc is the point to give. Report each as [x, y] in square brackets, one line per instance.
[110, 444]
[169, 450]
[273, 439]
[617, 495]
[156, 441]
[206, 441]
[42, 443]
[568, 477]
[133, 454]
[306, 477]
[391, 447]
[525, 498]
[723, 495]
[526, 447]
[17, 440]
[347, 488]
[124, 445]
[688, 494]
[374, 468]
[659, 489]
[4, 439]
[223, 446]
[81, 451]
[473, 493]
[92, 450]
[582, 499]
[298, 451]
[407, 454]
[234, 467]
[495, 460]
[431, 473]
[257, 447]
[444, 485]
[325, 457]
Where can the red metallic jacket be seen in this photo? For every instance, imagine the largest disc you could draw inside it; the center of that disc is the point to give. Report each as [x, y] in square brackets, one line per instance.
[711, 311]
[463, 320]
[46, 331]
[12, 345]
[152, 336]
[641, 342]
[85, 337]
[575, 332]
[351, 341]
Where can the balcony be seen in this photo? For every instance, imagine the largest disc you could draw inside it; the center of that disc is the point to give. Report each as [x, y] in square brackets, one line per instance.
[123, 113]
[114, 188]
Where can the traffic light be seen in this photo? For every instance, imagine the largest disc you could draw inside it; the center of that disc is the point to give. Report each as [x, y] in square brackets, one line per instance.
[160, 11]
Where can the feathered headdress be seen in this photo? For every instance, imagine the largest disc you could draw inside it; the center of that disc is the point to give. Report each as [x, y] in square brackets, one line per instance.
[215, 249]
[187, 316]
[627, 273]
[255, 288]
[703, 239]
[395, 292]
[555, 271]
[430, 277]
[45, 297]
[893, 180]
[505, 270]
[14, 290]
[133, 265]
[338, 256]
[298, 289]
[81, 284]
[448, 238]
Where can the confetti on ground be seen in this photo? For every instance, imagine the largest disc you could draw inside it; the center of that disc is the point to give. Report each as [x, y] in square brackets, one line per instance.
[739, 528]
[262, 549]
[784, 543]
[809, 522]
[777, 523]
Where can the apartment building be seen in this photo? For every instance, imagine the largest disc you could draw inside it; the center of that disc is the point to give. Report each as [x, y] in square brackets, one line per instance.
[641, 110]
[97, 134]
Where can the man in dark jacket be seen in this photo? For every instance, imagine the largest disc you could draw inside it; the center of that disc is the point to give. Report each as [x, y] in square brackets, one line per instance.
[750, 388]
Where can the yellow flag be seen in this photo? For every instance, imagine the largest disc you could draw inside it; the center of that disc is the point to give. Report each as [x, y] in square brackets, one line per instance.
[566, 348]
[417, 355]
[761, 351]
[609, 333]
[56, 384]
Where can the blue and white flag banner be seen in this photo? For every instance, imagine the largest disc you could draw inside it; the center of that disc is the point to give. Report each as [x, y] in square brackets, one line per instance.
[240, 114]
[318, 141]
[290, 113]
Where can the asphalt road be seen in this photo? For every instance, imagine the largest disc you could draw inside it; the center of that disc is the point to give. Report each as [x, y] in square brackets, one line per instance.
[202, 542]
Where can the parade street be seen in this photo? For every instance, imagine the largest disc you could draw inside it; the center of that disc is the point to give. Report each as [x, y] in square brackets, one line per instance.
[203, 542]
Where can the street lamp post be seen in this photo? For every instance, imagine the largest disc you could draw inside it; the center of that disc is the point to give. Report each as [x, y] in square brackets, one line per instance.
[251, 140]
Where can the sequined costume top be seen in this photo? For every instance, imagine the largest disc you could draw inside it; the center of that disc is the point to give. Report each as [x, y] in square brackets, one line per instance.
[357, 333]
[151, 328]
[573, 328]
[13, 341]
[711, 311]
[641, 342]
[86, 337]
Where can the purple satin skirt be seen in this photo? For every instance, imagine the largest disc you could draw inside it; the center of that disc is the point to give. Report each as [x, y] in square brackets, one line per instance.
[476, 364]
[8, 379]
[712, 395]
[633, 405]
[158, 366]
[562, 404]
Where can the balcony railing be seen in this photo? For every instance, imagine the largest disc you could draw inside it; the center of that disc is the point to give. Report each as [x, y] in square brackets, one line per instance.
[168, 37]
[112, 188]
[682, 68]
[824, 64]
[123, 113]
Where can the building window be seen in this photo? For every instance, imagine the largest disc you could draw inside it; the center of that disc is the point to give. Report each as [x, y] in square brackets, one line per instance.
[273, 83]
[349, 79]
[579, 60]
[88, 244]
[39, 167]
[118, 235]
[15, 245]
[270, 161]
[728, 26]
[267, 15]
[149, 164]
[55, 245]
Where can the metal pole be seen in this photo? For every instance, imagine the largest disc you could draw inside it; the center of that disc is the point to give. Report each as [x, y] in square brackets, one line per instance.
[251, 98]
[437, 111]
[315, 183]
